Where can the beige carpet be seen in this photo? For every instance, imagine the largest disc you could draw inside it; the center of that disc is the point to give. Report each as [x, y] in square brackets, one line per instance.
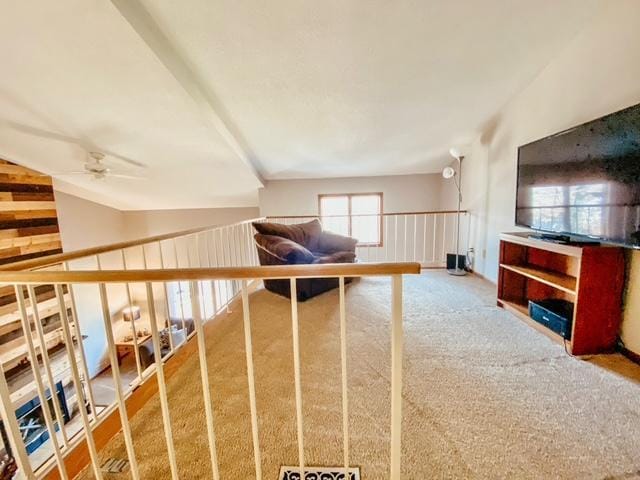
[485, 396]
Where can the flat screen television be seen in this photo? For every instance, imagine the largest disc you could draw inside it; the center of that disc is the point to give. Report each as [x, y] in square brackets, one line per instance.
[585, 181]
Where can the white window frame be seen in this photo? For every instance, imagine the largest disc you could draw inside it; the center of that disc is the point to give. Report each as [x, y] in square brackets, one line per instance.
[350, 215]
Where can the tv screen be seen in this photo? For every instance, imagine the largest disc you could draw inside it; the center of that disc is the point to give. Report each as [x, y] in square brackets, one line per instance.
[584, 181]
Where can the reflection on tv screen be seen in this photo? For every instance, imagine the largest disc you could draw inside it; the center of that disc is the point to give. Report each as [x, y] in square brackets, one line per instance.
[584, 181]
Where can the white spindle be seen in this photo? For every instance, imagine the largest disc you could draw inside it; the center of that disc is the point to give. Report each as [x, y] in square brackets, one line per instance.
[35, 369]
[162, 386]
[77, 383]
[386, 238]
[180, 301]
[396, 375]
[444, 237]
[380, 234]
[395, 242]
[424, 239]
[117, 382]
[165, 288]
[405, 248]
[435, 229]
[204, 374]
[228, 286]
[11, 424]
[216, 263]
[296, 372]
[83, 355]
[212, 282]
[415, 237]
[136, 350]
[232, 258]
[245, 245]
[345, 394]
[145, 265]
[251, 379]
[198, 262]
[47, 364]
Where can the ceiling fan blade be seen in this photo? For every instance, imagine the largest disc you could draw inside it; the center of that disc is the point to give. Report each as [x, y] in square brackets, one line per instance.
[119, 175]
[57, 174]
[68, 139]
[45, 134]
[129, 161]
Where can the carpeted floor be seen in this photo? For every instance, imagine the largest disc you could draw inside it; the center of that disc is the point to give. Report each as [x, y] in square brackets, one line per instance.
[485, 396]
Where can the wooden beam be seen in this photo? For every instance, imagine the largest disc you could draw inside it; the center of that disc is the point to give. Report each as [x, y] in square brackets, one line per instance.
[134, 12]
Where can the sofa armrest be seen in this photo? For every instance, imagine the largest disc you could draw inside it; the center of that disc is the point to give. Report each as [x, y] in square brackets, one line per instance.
[283, 249]
[332, 243]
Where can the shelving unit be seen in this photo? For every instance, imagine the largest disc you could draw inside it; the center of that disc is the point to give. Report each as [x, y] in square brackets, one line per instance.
[591, 277]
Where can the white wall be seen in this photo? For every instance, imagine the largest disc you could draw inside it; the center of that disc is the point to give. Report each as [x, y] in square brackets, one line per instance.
[401, 193]
[146, 223]
[410, 238]
[85, 224]
[596, 74]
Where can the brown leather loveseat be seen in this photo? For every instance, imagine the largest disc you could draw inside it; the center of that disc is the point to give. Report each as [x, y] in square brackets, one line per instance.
[303, 243]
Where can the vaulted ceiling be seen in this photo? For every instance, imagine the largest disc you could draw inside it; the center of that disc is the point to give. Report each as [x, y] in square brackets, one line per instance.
[215, 97]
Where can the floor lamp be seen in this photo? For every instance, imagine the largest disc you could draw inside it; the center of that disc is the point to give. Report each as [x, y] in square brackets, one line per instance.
[448, 173]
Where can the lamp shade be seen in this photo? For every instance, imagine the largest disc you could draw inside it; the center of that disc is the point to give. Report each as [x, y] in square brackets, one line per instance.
[131, 313]
[455, 153]
[448, 172]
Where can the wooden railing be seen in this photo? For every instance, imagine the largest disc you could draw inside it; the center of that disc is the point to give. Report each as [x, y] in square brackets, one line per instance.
[177, 283]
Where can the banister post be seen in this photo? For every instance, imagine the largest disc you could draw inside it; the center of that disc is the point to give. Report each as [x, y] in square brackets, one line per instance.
[396, 375]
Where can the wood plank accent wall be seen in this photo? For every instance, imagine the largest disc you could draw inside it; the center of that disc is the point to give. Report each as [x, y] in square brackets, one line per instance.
[28, 229]
[28, 217]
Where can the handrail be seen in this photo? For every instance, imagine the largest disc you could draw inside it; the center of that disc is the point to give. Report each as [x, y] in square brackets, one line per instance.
[388, 214]
[86, 252]
[221, 273]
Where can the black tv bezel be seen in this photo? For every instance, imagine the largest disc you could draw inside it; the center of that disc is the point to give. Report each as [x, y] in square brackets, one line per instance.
[570, 234]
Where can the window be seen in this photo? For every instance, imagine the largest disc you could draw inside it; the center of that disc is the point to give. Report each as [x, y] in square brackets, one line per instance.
[575, 208]
[357, 215]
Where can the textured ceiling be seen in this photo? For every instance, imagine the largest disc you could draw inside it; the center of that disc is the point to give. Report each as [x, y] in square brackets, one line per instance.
[295, 88]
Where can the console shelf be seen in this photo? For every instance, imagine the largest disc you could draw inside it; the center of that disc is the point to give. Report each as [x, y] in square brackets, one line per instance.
[563, 282]
[590, 277]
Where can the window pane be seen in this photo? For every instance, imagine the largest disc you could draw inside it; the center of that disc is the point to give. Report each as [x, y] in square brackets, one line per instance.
[365, 204]
[334, 205]
[339, 225]
[366, 229]
[334, 213]
[365, 221]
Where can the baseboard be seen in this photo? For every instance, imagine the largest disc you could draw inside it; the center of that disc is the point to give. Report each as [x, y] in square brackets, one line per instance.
[633, 356]
[481, 276]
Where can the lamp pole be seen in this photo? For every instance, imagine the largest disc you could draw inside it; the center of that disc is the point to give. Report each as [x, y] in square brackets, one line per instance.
[457, 271]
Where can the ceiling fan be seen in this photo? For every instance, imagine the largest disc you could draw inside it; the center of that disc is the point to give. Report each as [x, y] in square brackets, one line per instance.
[94, 166]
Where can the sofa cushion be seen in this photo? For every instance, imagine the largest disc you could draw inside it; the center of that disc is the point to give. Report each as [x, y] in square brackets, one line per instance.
[331, 242]
[336, 257]
[284, 249]
[306, 234]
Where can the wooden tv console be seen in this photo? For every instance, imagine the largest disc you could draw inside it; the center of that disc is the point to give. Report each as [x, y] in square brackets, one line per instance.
[591, 277]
